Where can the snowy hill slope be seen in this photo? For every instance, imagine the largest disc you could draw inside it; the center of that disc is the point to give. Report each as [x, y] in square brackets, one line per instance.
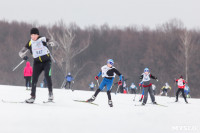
[67, 116]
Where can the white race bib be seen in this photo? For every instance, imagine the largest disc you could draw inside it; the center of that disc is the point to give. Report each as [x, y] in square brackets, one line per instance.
[180, 82]
[105, 69]
[38, 49]
[146, 77]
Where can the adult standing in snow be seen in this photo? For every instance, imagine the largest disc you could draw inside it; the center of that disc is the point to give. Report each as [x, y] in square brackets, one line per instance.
[28, 71]
[147, 85]
[38, 47]
[181, 85]
[108, 73]
[165, 89]
[69, 79]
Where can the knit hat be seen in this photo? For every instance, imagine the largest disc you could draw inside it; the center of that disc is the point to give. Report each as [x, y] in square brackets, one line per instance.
[34, 31]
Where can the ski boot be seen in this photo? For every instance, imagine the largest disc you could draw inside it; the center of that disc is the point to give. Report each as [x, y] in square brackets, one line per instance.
[110, 103]
[176, 100]
[50, 99]
[91, 99]
[140, 100]
[30, 100]
[186, 101]
[143, 104]
[154, 102]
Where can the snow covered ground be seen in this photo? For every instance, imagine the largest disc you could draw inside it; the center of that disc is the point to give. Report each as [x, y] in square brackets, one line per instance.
[67, 116]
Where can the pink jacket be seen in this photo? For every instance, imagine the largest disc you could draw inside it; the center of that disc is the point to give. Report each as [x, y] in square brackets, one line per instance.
[28, 71]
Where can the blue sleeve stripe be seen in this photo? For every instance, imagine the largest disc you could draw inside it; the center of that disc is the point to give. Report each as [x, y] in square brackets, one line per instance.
[120, 77]
[99, 74]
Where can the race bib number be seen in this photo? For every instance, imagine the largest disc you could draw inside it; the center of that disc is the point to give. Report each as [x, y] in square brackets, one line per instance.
[38, 49]
[180, 83]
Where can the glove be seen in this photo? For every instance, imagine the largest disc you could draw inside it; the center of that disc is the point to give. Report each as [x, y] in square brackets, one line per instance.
[25, 58]
[120, 83]
[96, 77]
[51, 44]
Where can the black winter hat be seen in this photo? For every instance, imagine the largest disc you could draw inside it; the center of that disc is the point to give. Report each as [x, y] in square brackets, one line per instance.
[34, 31]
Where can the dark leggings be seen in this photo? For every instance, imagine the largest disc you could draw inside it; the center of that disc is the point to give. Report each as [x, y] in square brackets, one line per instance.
[28, 81]
[183, 94]
[38, 67]
[68, 82]
[108, 93]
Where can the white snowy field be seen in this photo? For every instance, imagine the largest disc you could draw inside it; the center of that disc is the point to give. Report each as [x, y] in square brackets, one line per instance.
[67, 116]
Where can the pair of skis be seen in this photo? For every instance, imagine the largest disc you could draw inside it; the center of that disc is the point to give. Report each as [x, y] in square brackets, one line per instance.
[153, 104]
[82, 101]
[5, 101]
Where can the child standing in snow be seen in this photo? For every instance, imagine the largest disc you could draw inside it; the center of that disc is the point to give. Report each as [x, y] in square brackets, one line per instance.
[181, 85]
[187, 91]
[133, 88]
[147, 85]
[108, 73]
[28, 71]
[91, 86]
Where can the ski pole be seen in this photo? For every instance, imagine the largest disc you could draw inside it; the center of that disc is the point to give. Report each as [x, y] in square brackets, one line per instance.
[117, 89]
[98, 82]
[52, 57]
[72, 86]
[134, 97]
[18, 65]
[62, 84]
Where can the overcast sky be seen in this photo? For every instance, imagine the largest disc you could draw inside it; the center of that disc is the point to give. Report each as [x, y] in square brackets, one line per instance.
[113, 12]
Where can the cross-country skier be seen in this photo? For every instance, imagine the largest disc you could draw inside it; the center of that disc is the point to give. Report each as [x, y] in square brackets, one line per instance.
[133, 88]
[69, 79]
[92, 85]
[28, 71]
[108, 73]
[42, 61]
[154, 89]
[147, 85]
[187, 91]
[181, 85]
[165, 89]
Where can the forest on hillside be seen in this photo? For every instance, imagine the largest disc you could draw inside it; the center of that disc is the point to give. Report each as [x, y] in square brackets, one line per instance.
[169, 50]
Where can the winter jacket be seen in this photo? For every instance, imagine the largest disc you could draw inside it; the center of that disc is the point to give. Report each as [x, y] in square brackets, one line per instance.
[28, 71]
[69, 78]
[181, 83]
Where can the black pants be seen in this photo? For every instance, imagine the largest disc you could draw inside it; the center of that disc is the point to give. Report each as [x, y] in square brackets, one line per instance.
[38, 67]
[28, 81]
[68, 83]
[108, 93]
[183, 94]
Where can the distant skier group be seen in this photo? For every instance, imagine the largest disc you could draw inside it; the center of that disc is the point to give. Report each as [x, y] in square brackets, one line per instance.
[38, 47]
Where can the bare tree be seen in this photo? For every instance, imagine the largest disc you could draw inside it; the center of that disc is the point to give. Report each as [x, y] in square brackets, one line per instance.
[186, 41]
[65, 50]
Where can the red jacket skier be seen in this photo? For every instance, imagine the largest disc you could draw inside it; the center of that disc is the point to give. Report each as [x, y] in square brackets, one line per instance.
[181, 85]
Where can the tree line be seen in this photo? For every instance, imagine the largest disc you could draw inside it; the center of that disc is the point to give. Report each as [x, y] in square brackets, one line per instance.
[169, 50]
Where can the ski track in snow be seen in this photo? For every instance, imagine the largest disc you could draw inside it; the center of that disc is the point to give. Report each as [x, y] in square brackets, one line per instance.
[67, 116]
